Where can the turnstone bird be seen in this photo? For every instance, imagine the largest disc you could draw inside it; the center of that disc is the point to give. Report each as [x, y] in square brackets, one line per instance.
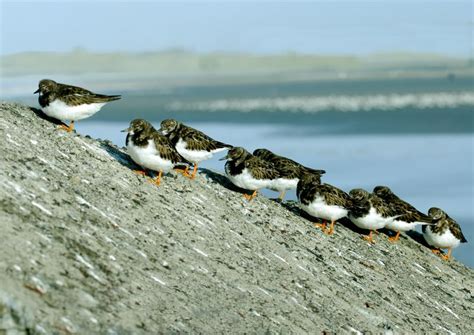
[408, 217]
[369, 212]
[444, 233]
[150, 149]
[192, 144]
[322, 201]
[248, 172]
[69, 103]
[290, 171]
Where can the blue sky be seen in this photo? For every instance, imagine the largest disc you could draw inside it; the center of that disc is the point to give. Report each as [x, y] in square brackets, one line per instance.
[323, 27]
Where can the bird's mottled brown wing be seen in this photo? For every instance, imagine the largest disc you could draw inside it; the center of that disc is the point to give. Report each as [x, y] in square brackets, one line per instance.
[411, 214]
[73, 95]
[335, 196]
[287, 169]
[197, 140]
[261, 169]
[455, 229]
[381, 206]
[407, 212]
[167, 150]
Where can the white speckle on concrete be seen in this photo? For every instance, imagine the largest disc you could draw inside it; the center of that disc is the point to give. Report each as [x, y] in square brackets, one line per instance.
[44, 210]
[83, 261]
[200, 252]
[158, 280]
[280, 258]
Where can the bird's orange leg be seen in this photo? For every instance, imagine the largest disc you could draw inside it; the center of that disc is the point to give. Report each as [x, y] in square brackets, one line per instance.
[369, 238]
[448, 256]
[330, 231]
[184, 171]
[282, 195]
[140, 172]
[67, 128]
[321, 225]
[436, 251]
[249, 197]
[395, 238]
[193, 175]
[157, 179]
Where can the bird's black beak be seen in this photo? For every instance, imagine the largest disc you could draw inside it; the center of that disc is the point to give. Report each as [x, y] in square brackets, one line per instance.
[224, 158]
[37, 91]
[126, 130]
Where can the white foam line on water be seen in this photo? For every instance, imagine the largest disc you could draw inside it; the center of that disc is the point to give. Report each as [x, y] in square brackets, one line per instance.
[343, 103]
[37, 205]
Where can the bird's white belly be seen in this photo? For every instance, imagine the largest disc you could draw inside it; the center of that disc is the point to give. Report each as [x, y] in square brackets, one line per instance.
[282, 184]
[148, 157]
[318, 208]
[195, 156]
[246, 181]
[371, 221]
[443, 241]
[398, 225]
[59, 110]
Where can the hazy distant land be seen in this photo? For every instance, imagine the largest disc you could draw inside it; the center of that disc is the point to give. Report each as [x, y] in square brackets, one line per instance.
[178, 67]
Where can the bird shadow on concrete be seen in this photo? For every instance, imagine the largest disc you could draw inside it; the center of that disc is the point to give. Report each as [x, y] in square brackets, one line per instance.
[39, 113]
[119, 155]
[123, 158]
[223, 181]
[417, 237]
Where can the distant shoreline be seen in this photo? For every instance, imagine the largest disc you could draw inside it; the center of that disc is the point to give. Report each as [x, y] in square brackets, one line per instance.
[178, 63]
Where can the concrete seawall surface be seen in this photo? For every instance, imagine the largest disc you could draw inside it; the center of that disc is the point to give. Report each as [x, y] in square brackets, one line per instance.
[89, 247]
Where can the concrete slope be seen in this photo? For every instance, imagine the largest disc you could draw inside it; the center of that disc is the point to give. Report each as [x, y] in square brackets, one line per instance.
[89, 247]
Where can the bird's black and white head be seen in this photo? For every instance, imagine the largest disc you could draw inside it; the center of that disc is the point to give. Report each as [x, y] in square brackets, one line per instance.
[359, 194]
[46, 86]
[310, 178]
[436, 213]
[383, 192]
[168, 126]
[236, 155]
[138, 126]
